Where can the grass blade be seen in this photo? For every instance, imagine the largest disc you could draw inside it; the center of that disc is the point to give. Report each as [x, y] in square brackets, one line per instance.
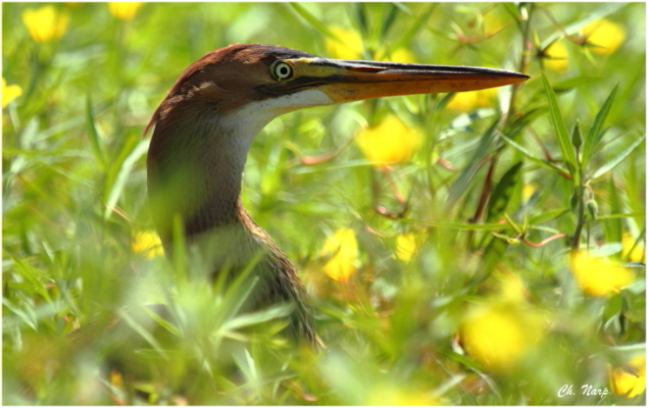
[595, 134]
[313, 21]
[561, 130]
[531, 157]
[502, 192]
[461, 183]
[95, 140]
[122, 175]
[618, 159]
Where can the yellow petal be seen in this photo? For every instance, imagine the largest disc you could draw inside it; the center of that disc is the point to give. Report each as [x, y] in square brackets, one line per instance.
[391, 396]
[559, 60]
[342, 247]
[390, 142]
[406, 246]
[9, 93]
[638, 252]
[350, 46]
[630, 380]
[45, 23]
[608, 36]
[124, 10]
[498, 334]
[148, 243]
[598, 276]
[466, 101]
[400, 55]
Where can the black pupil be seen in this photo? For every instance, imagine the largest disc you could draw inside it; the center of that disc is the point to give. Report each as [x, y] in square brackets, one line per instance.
[283, 70]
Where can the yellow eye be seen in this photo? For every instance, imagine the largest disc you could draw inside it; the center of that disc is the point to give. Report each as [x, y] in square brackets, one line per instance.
[281, 70]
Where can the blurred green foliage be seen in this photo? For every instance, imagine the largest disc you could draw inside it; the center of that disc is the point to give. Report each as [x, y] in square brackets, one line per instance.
[74, 200]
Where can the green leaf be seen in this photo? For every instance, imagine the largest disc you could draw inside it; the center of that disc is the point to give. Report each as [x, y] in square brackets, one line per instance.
[561, 130]
[313, 21]
[409, 34]
[502, 192]
[595, 134]
[122, 175]
[253, 318]
[574, 28]
[531, 157]
[389, 16]
[460, 185]
[142, 331]
[95, 139]
[618, 159]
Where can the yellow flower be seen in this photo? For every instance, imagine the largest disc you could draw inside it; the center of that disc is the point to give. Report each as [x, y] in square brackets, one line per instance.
[400, 55]
[391, 396]
[45, 23]
[527, 190]
[637, 254]
[350, 47]
[148, 243]
[124, 10]
[606, 35]
[597, 276]
[630, 380]
[342, 247]
[499, 333]
[389, 142]
[9, 93]
[558, 54]
[465, 101]
[406, 246]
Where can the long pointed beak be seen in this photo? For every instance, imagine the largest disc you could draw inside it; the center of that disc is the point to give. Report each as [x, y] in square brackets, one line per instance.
[346, 81]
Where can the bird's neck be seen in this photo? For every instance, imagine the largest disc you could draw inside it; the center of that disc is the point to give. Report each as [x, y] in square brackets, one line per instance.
[195, 167]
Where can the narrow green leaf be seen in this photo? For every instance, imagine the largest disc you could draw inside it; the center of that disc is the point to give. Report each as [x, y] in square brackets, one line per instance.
[573, 28]
[313, 21]
[253, 318]
[409, 34]
[618, 159]
[460, 185]
[142, 332]
[389, 16]
[531, 157]
[122, 176]
[595, 134]
[361, 17]
[502, 192]
[561, 130]
[161, 321]
[548, 216]
[95, 140]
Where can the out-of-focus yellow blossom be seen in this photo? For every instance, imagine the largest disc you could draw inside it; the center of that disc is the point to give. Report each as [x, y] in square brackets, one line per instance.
[390, 142]
[527, 190]
[342, 247]
[45, 23]
[501, 331]
[598, 276]
[124, 11]
[400, 55]
[350, 47]
[9, 93]
[406, 246]
[608, 36]
[390, 396]
[559, 57]
[638, 252]
[630, 380]
[498, 337]
[465, 101]
[148, 243]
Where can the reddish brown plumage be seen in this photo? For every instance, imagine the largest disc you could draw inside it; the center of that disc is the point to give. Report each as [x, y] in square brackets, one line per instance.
[194, 170]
